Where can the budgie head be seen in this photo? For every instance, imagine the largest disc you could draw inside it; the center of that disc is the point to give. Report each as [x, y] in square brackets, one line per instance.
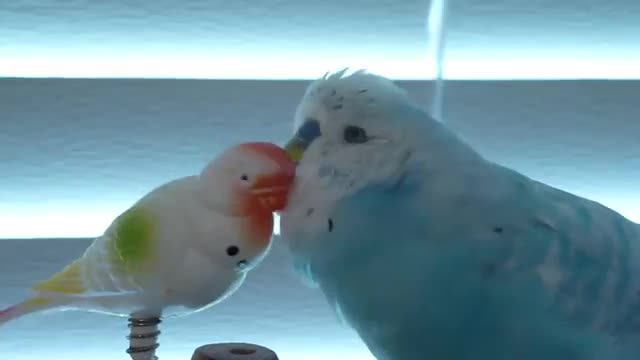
[248, 179]
[348, 122]
[354, 132]
[365, 128]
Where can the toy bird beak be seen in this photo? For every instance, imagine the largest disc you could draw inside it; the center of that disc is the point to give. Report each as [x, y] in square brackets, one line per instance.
[272, 191]
[272, 188]
[305, 135]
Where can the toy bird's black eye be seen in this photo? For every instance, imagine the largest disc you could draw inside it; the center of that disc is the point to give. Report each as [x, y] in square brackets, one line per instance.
[244, 177]
[232, 250]
[355, 135]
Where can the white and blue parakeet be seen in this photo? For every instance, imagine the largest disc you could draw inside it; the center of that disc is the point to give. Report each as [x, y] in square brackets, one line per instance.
[430, 251]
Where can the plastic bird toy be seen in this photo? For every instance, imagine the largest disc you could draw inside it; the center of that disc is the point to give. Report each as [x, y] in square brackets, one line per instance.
[185, 246]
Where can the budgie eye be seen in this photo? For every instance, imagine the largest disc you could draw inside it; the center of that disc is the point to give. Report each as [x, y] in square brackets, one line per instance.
[355, 135]
[244, 177]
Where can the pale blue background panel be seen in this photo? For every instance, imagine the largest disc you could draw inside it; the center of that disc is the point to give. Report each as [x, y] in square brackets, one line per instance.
[293, 39]
[75, 153]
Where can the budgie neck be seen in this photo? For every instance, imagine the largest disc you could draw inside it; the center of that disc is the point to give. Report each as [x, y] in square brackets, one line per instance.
[433, 151]
[430, 135]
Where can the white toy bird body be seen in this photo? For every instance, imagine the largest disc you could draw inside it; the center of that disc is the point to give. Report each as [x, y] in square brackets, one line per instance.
[184, 246]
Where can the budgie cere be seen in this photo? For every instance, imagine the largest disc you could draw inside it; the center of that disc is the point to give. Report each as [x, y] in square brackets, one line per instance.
[431, 251]
[182, 247]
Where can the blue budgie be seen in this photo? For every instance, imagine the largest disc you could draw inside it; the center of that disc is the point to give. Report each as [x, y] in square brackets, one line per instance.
[432, 252]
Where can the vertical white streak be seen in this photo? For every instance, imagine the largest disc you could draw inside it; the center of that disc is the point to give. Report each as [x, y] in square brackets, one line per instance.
[436, 27]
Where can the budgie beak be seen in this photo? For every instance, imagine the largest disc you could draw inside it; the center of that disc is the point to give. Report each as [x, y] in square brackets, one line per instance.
[305, 135]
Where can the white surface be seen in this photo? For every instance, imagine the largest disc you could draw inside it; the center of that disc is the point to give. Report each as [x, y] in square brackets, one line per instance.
[75, 153]
[289, 39]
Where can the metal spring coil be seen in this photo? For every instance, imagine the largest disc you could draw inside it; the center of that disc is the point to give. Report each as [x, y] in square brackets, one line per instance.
[153, 336]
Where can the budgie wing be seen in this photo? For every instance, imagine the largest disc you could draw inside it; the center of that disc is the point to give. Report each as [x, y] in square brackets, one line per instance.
[588, 262]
